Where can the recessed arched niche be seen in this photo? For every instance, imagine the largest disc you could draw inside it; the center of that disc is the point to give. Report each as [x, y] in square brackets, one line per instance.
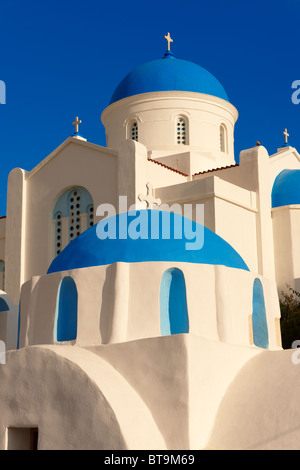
[66, 311]
[259, 317]
[174, 317]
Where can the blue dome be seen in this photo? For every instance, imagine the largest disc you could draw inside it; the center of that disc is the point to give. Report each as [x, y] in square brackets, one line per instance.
[89, 250]
[286, 188]
[169, 74]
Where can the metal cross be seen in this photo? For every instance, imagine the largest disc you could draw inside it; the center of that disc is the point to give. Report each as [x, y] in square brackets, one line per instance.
[76, 123]
[149, 199]
[169, 40]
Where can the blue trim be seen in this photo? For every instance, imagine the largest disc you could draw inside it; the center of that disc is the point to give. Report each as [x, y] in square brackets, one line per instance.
[174, 317]
[169, 74]
[89, 250]
[259, 317]
[19, 326]
[66, 311]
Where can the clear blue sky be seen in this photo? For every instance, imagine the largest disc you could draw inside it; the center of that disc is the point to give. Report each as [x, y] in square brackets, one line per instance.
[61, 59]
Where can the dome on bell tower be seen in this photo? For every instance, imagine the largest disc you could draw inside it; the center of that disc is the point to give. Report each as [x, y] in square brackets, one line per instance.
[169, 74]
[173, 107]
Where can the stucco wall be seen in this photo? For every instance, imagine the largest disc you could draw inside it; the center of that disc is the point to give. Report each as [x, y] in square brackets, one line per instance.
[75, 399]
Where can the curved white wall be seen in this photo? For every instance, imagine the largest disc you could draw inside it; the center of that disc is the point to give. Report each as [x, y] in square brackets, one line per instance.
[219, 302]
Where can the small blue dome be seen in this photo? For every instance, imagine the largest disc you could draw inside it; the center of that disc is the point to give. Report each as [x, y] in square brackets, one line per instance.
[286, 188]
[153, 244]
[169, 74]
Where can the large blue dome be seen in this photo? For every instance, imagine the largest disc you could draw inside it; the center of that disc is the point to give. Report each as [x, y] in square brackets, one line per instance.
[286, 188]
[169, 74]
[89, 250]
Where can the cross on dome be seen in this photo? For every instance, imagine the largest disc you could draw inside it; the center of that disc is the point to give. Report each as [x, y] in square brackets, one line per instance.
[169, 40]
[149, 198]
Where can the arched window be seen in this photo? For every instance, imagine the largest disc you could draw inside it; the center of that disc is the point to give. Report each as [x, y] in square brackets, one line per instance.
[223, 138]
[2, 275]
[173, 304]
[73, 213]
[259, 317]
[66, 311]
[181, 131]
[134, 131]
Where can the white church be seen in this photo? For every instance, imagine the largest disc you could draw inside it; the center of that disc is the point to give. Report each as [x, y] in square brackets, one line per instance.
[128, 343]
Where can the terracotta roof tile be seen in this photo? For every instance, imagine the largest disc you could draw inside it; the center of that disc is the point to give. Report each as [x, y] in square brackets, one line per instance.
[168, 167]
[215, 169]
